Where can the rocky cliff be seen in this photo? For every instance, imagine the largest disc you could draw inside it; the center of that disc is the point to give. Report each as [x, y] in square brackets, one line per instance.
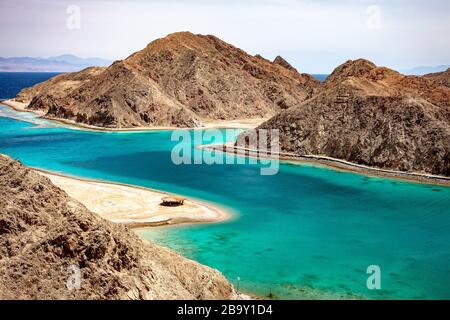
[373, 116]
[180, 80]
[44, 233]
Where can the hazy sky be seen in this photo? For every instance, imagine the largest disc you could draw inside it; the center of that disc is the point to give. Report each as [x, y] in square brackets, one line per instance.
[315, 36]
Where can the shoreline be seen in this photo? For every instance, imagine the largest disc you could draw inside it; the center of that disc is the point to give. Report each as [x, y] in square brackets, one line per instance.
[19, 107]
[336, 164]
[134, 206]
[219, 214]
[216, 124]
[328, 162]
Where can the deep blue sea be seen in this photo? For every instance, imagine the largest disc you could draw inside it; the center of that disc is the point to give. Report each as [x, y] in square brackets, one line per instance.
[320, 77]
[307, 232]
[12, 82]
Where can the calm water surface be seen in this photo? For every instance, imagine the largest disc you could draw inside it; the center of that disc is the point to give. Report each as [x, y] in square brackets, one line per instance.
[12, 82]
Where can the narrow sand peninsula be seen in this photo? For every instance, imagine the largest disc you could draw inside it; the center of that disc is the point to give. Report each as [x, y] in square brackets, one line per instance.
[333, 163]
[234, 124]
[209, 124]
[134, 206]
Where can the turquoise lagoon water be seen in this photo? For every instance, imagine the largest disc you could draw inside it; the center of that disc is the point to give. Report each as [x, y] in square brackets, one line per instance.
[307, 232]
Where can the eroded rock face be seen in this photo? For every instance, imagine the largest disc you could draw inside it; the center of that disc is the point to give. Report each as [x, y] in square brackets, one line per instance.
[179, 80]
[44, 233]
[374, 116]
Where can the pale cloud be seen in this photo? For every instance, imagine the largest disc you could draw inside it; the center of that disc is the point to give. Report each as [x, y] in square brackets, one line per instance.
[314, 35]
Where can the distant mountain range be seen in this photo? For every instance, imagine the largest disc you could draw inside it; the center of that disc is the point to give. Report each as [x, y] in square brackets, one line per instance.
[419, 71]
[63, 63]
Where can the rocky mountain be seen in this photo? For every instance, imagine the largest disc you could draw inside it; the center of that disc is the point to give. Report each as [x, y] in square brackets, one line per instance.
[441, 77]
[373, 116]
[58, 86]
[280, 60]
[180, 80]
[45, 235]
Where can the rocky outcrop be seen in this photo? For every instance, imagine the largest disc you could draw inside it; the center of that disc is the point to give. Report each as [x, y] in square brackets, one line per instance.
[45, 235]
[373, 116]
[440, 77]
[280, 61]
[180, 80]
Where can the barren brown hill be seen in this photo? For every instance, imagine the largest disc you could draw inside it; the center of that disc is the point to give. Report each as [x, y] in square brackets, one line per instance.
[44, 233]
[373, 116]
[60, 85]
[440, 77]
[180, 80]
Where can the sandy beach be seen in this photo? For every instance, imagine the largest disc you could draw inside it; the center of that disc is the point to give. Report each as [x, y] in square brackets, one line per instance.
[207, 124]
[234, 124]
[137, 207]
[20, 107]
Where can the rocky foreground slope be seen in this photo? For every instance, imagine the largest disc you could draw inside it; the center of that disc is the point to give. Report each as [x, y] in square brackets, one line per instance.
[180, 80]
[373, 116]
[44, 233]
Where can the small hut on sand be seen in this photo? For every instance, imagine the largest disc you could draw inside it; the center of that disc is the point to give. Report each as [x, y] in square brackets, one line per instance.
[172, 201]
